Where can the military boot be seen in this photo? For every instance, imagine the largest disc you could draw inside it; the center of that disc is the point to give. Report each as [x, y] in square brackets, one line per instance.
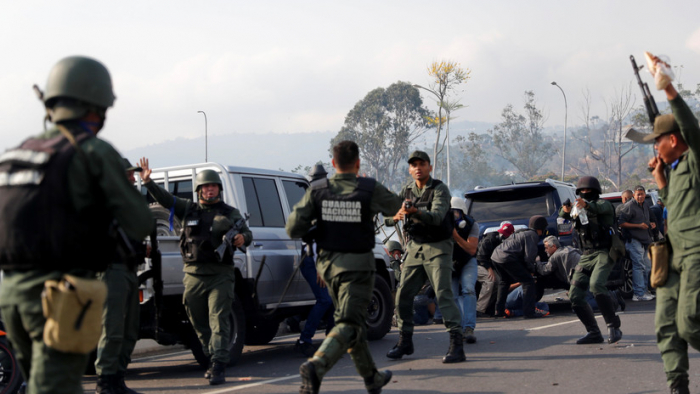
[680, 386]
[403, 347]
[310, 382]
[585, 314]
[378, 380]
[122, 385]
[611, 318]
[218, 373]
[107, 384]
[455, 353]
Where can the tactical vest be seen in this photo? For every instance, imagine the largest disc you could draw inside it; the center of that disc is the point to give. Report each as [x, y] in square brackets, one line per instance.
[424, 233]
[195, 241]
[344, 220]
[594, 235]
[39, 225]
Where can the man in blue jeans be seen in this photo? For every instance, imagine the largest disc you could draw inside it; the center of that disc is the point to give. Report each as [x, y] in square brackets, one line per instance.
[636, 224]
[323, 306]
[466, 237]
[324, 303]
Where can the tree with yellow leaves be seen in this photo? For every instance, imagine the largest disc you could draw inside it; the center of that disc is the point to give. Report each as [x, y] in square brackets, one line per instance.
[446, 76]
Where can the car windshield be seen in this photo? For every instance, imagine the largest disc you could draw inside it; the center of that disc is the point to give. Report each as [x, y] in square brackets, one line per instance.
[511, 204]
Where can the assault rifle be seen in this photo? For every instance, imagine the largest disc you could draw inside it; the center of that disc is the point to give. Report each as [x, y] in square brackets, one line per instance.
[228, 239]
[649, 103]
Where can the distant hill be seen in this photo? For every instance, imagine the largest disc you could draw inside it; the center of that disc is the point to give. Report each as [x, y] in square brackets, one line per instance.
[271, 151]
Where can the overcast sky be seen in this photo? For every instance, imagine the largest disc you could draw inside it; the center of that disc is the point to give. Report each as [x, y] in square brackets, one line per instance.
[299, 66]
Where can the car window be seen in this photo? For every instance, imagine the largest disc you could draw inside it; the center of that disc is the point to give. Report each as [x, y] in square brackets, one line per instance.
[511, 204]
[181, 189]
[263, 202]
[295, 191]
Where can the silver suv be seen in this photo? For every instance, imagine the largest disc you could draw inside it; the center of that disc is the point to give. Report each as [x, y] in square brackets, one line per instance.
[261, 302]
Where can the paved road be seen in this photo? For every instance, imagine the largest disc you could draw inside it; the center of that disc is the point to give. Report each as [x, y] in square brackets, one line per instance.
[511, 356]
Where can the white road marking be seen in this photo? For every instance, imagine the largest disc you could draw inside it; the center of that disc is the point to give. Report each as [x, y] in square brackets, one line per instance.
[247, 386]
[563, 323]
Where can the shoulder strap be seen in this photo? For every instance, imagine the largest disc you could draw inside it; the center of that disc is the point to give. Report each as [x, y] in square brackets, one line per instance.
[366, 184]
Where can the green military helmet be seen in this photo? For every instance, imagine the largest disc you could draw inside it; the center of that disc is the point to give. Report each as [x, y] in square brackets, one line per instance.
[75, 84]
[392, 246]
[206, 177]
[588, 182]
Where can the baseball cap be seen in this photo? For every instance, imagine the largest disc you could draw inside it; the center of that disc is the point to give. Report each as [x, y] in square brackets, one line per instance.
[128, 167]
[506, 229]
[418, 154]
[663, 124]
[639, 187]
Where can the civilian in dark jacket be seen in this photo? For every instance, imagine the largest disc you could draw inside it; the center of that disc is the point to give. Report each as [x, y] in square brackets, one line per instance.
[516, 262]
[486, 273]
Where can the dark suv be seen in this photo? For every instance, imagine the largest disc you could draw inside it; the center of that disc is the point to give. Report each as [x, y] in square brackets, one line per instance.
[516, 203]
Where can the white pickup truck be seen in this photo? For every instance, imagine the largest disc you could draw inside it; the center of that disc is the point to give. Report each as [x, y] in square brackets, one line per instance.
[267, 196]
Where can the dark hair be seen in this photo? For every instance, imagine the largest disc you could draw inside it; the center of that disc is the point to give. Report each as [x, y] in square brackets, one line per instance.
[345, 154]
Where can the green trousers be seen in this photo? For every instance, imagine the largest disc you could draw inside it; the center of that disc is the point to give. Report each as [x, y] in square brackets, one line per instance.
[208, 301]
[439, 271]
[592, 271]
[351, 293]
[120, 320]
[678, 316]
[46, 370]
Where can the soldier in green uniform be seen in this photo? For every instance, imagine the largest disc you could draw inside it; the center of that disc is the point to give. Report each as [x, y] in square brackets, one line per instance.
[209, 283]
[596, 232]
[80, 179]
[120, 318]
[343, 208]
[429, 227]
[677, 173]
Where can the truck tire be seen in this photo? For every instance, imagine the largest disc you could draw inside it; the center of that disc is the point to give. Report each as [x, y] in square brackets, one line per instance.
[162, 216]
[261, 331]
[238, 333]
[627, 288]
[380, 310]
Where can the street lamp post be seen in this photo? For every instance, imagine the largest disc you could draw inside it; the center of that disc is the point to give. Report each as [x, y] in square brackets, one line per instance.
[566, 114]
[206, 158]
[447, 132]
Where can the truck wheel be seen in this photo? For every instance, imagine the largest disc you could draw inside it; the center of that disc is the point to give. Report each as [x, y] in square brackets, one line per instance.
[238, 330]
[261, 331]
[380, 310]
[627, 288]
[162, 216]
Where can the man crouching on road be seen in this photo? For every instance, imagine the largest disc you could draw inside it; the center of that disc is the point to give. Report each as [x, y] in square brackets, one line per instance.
[429, 229]
[343, 208]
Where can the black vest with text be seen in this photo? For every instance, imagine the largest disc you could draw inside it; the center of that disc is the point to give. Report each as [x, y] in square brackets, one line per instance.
[39, 225]
[424, 233]
[344, 221]
[195, 240]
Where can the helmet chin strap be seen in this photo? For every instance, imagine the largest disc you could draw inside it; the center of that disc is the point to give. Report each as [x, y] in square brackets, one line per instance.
[212, 200]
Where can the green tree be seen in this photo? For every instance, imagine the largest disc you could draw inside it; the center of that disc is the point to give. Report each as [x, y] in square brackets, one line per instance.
[519, 138]
[384, 124]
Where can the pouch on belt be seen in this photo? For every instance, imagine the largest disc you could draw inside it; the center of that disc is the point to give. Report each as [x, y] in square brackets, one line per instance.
[73, 310]
[658, 254]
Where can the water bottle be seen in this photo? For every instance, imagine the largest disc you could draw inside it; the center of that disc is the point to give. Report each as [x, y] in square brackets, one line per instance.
[583, 217]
